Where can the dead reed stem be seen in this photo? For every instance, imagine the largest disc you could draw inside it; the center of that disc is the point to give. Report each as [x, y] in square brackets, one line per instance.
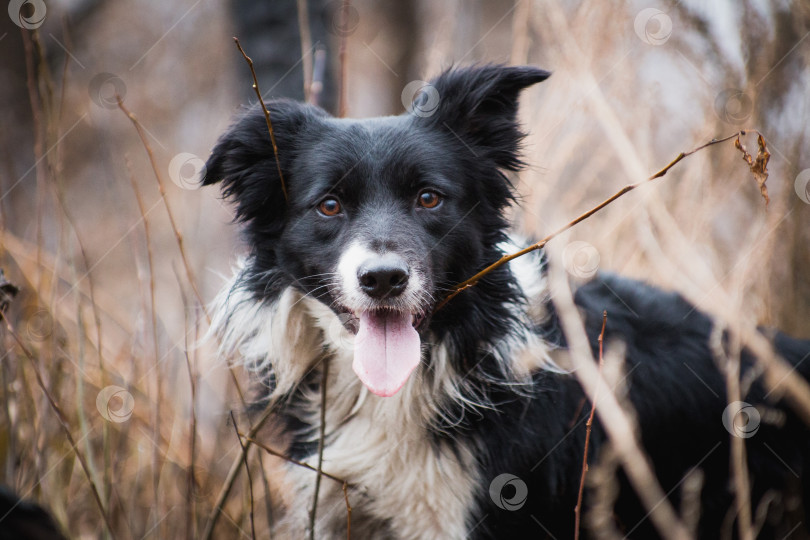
[153, 309]
[247, 471]
[288, 459]
[539, 245]
[162, 189]
[305, 33]
[588, 425]
[313, 514]
[177, 234]
[233, 473]
[191, 511]
[615, 421]
[344, 484]
[729, 364]
[344, 37]
[266, 116]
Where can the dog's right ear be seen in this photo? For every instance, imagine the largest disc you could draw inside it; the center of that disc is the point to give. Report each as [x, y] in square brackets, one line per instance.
[478, 104]
[244, 161]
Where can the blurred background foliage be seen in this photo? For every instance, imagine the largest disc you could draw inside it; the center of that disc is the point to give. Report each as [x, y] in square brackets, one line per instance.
[634, 84]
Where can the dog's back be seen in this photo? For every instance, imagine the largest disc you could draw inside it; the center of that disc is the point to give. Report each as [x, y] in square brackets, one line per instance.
[678, 396]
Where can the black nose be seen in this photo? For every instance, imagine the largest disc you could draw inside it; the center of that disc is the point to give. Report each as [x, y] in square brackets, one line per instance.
[384, 276]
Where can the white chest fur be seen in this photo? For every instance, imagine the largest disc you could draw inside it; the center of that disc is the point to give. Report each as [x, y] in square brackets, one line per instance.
[402, 484]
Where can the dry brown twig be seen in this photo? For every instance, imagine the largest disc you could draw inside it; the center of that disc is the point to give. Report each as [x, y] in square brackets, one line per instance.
[236, 466]
[588, 425]
[619, 427]
[305, 33]
[348, 511]
[288, 459]
[758, 167]
[320, 451]
[344, 484]
[250, 439]
[729, 364]
[150, 263]
[162, 188]
[175, 229]
[191, 521]
[266, 115]
[342, 101]
[247, 470]
[344, 20]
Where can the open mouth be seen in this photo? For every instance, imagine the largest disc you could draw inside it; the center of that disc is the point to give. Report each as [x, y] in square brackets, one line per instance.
[387, 348]
[351, 320]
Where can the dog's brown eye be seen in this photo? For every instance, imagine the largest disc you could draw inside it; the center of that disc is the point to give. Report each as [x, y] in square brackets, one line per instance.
[429, 199]
[329, 207]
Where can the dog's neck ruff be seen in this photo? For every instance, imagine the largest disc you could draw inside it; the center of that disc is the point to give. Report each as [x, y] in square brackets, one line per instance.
[291, 335]
[371, 438]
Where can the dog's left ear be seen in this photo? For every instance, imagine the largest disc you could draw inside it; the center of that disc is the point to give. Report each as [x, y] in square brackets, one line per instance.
[245, 162]
[479, 105]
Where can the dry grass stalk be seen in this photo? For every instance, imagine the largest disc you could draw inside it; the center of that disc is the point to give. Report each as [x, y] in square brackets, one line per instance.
[162, 189]
[730, 365]
[305, 33]
[321, 444]
[588, 425]
[266, 116]
[247, 471]
[626, 189]
[191, 514]
[618, 426]
[236, 466]
[156, 461]
[177, 234]
[46, 121]
[344, 484]
[344, 38]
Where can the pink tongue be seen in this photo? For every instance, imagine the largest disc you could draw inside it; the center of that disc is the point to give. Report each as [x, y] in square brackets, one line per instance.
[386, 351]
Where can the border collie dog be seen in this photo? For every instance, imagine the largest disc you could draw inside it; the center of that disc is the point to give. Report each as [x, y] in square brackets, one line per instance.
[457, 422]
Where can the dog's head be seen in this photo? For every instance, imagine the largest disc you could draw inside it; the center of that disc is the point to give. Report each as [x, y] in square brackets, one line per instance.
[383, 215]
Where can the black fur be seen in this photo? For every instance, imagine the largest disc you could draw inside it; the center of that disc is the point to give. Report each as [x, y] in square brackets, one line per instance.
[679, 397]
[534, 431]
[25, 520]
